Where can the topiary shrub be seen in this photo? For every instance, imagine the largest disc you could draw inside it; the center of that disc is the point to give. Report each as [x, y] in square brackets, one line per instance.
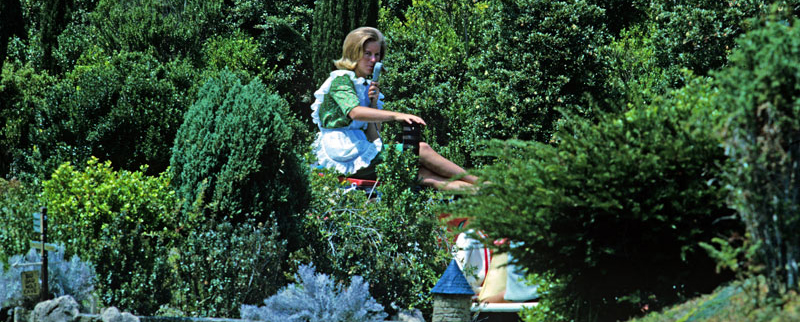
[614, 212]
[316, 297]
[761, 91]
[122, 221]
[237, 153]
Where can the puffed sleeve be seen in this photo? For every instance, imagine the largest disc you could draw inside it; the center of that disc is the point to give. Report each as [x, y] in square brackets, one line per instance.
[343, 93]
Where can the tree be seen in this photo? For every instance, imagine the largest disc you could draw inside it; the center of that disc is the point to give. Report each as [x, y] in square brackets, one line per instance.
[333, 19]
[11, 24]
[761, 91]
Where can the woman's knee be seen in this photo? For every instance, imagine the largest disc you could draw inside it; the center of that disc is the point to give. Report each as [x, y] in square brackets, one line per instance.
[424, 148]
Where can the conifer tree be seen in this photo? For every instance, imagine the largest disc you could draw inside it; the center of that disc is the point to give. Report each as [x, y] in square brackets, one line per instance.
[333, 19]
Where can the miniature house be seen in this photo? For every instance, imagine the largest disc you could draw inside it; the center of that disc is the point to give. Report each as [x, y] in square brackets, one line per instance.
[452, 296]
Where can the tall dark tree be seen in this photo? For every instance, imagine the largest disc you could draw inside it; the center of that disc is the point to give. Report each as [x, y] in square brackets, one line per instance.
[333, 19]
[55, 16]
[11, 24]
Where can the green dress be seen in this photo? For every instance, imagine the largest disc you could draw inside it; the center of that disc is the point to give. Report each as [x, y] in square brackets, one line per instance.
[341, 143]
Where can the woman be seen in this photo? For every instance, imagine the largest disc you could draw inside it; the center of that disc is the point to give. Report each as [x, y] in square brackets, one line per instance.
[348, 140]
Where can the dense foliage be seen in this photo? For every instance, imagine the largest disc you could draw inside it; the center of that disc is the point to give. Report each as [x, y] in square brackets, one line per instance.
[616, 209]
[17, 204]
[124, 108]
[761, 90]
[612, 134]
[238, 152]
[220, 266]
[393, 241]
[461, 67]
[333, 19]
[119, 220]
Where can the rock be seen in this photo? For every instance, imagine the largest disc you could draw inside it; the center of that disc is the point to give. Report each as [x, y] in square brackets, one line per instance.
[112, 314]
[410, 316]
[62, 309]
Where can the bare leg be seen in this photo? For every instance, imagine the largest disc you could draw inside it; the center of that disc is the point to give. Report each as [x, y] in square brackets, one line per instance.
[440, 165]
[432, 179]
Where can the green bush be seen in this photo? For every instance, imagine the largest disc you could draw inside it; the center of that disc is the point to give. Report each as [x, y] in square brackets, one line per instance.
[168, 29]
[18, 202]
[235, 52]
[221, 266]
[123, 222]
[285, 42]
[634, 76]
[282, 30]
[13, 25]
[761, 91]
[394, 242]
[615, 211]
[699, 34]
[238, 152]
[22, 91]
[79, 37]
[126, 109]
[495, 69]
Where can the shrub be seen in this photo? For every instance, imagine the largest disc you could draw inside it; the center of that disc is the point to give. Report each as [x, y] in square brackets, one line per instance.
[761, 90]
[285, 44]
[495, 69]
[122, 221]
[699, 34]
[236, 52]
[65, 277]
[126, 110]
[167, 29]
[281, 30]
[18, 202]
[634, 76]
[221, 266]
[315, 297]
[615, 211]
[79, 37]
[394, 241]
[22, 91]
[237, 152]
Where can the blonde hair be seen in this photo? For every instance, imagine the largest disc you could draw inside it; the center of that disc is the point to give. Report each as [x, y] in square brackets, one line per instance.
[353, 47]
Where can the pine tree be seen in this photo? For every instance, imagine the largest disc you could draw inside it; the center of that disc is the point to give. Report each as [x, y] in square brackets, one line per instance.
[333, 19]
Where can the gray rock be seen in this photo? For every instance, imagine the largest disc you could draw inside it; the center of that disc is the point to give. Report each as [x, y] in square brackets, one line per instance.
[410, 316]
[112, 314]
[62, 309]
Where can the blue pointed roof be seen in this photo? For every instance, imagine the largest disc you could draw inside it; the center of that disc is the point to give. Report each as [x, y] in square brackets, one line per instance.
[452, 282]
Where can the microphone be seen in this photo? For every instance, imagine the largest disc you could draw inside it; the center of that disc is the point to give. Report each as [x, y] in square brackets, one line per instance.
[376, 71]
